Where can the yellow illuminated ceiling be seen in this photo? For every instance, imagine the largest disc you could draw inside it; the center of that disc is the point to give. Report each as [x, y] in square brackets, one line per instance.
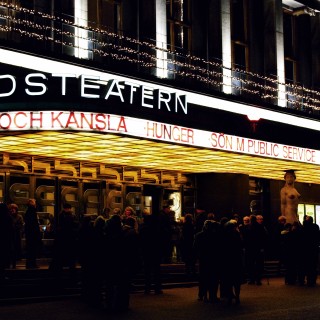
[128, 151]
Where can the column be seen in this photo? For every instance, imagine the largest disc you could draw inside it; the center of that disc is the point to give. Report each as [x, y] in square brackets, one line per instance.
[81, 34]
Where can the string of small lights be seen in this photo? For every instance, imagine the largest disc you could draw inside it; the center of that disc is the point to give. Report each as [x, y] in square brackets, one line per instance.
[143, 53]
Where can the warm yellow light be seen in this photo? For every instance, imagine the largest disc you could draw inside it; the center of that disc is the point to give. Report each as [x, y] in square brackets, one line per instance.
[128, 151]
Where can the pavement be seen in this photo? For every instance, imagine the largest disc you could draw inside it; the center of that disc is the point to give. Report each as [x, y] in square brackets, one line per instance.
[272, 300]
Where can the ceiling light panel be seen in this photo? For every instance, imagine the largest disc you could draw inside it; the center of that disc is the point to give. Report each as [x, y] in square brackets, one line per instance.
[128, 151]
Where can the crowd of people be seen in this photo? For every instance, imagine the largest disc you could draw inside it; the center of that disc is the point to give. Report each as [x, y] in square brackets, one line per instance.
[111, 249]
[229, 252]
[13, 226]
[299, 251]
[222, 253]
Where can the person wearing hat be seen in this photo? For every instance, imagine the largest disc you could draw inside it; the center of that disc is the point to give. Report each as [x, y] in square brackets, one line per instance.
[289, 198]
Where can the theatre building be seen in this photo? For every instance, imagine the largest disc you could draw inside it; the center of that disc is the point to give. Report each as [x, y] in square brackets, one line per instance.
[187, 103]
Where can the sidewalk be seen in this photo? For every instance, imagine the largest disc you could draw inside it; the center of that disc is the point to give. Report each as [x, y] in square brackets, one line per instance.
[267, 302]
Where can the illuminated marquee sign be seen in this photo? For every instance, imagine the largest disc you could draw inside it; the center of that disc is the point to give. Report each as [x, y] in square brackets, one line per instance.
[91, 87]
[104, 123]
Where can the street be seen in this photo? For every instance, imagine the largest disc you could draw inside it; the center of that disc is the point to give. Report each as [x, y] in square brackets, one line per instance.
[272, 300]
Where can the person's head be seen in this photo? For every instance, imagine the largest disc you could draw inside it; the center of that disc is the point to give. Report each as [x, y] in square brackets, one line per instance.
[236, 217]
[223, 220]
[106, 213]
[166, 209]
[210, 216]
[116, 211]
[13, 208]
[260, 219]
[31, 202]
[114, 224]
[188, 218]
[308, 220]
[233, 221]
[210, 226]
[282, 220]
[128, 212]
[67, 207]
[231, 225]
[246, 220]
[253, 218]
[99, 223]
[290, 177]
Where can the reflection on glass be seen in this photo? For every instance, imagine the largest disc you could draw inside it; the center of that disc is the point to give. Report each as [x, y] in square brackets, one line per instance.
[310, 211]
[301, 212]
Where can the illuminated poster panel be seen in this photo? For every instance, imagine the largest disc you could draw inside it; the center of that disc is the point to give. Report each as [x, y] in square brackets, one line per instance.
[301, 212]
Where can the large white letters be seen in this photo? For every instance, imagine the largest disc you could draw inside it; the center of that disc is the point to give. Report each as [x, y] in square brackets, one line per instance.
[35, 84]
[14, 85]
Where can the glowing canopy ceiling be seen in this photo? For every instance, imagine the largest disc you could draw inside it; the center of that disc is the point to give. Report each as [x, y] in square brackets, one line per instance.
[129, 151]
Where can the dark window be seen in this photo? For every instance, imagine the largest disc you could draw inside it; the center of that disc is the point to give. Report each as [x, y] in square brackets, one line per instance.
[239, 34]
[290, 69]
[289, 36]
[239, 54]
[106, 14]
[178, 25]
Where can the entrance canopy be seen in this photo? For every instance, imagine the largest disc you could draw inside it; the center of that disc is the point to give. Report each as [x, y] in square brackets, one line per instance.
[122, 150]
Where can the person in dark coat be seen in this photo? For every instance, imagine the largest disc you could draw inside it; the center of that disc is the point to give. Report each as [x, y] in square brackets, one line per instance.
[6, 239]
[91, 254]
[232, 262]
[66, 242]
[207, 247]
[187, 239]
[310, 253]
[292, 251]
[164, 224]
[255, 245]
[32, 234]
[277, 240]
[17, 221]
[132, 260]
[152, 251]
[200, 218]
[132, 247]
[115, 279]
[288, 246]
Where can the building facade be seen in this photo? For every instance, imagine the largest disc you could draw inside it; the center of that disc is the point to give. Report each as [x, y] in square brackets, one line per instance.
[109, 103]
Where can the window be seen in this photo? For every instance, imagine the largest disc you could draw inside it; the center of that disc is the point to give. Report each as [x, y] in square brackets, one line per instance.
[239, 34]
[312, 210]
[289, 30]
[178, 25]
[239, 45]
[106, 14]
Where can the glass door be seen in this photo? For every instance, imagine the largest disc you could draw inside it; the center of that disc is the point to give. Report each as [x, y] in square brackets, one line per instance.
[312, 210]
